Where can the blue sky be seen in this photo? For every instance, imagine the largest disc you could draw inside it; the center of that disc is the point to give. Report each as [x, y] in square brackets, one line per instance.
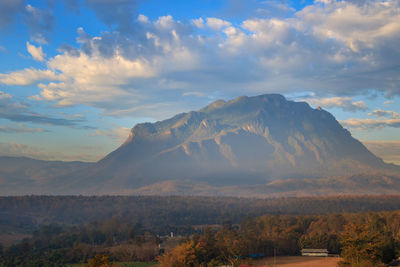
[75, 76]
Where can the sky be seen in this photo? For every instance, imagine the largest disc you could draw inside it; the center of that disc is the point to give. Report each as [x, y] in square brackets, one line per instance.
[77, 75]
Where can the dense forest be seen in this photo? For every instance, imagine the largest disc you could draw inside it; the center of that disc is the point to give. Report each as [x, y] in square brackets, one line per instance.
[162, 215]
[73, 229]
[362, 239]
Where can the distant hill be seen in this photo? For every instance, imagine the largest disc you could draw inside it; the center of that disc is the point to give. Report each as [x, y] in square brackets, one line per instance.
[258, 145]
[20, 175]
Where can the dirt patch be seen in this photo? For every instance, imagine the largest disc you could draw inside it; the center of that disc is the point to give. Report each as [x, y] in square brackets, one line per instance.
[298, 261]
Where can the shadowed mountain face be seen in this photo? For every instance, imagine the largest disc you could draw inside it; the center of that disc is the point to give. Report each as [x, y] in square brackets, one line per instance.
[243, 143]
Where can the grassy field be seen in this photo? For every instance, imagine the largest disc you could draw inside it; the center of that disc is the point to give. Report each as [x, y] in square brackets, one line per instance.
[298, 261]
[124, 264]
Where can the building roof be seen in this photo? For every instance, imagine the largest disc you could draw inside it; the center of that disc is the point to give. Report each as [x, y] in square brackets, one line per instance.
[314, 250]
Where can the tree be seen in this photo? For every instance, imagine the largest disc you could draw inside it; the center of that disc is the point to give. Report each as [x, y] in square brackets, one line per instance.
[100, 261]
[364, 246]
[184, 255]
[231, 246]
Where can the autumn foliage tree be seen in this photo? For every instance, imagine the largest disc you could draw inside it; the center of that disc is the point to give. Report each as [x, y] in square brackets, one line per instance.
[231, 246]
[100, 261]
[184, 255]
[364, 245]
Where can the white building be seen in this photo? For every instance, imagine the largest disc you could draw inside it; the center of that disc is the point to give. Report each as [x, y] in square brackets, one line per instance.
[315, 252]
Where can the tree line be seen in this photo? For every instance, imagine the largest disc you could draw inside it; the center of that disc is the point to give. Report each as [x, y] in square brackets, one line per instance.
[25, 214]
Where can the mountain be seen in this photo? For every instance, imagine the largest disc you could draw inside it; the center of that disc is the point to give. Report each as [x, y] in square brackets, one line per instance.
[243, 142]
[21, 175]
[249, 145]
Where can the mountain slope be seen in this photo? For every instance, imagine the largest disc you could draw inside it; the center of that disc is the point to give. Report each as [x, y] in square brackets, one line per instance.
[246, 141]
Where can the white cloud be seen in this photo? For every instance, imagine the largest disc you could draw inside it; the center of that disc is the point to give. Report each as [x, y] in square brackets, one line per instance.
[143, 19]
[384, 113]
[235, 39]
[85, 69]
[36, 52]
[359, 26]
[217, 24]
[345, 103]
[92, 79]
[28, 76]
[199, 23]
[367, 124]
[95, 79]
[165, 22]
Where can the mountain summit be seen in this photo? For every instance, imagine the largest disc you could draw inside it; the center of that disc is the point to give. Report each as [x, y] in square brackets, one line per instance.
[229, 147]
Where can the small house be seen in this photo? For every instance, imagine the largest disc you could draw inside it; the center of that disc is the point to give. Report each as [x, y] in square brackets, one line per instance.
[315, 252]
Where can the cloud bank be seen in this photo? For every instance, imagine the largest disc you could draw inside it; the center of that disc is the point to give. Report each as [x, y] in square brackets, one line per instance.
[21, 112]
[333, 48]
[385, 118]
[345, 103]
